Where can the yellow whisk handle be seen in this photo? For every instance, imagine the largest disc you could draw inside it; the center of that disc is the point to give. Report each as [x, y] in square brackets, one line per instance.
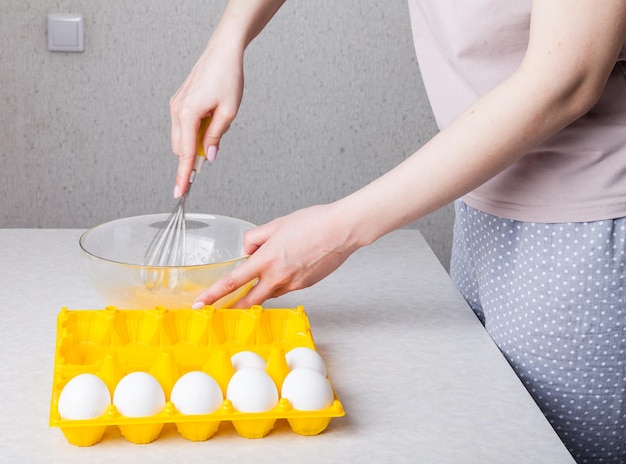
[201, 155]
[204, 125]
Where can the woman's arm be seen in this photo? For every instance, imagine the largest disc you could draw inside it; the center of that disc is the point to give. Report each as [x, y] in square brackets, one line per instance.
[215, 85]
[572, 49]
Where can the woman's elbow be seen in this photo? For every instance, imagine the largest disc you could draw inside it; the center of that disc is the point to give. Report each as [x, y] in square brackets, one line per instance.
[580, 98]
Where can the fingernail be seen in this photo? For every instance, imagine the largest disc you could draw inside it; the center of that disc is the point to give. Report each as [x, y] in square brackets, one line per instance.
[176, 192]
[211, 154]
[197, 305]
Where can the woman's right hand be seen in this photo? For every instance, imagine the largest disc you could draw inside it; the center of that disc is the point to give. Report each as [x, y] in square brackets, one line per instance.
[213, 88]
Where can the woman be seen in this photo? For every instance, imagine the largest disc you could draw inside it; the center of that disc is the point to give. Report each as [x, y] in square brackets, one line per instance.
[530, 97]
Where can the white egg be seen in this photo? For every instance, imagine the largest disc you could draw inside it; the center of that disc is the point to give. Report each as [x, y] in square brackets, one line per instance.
[247, 359]
[252, 390]
[307, 389]
[305, 357]
[196, 392]
[85, 396]
[139, 394]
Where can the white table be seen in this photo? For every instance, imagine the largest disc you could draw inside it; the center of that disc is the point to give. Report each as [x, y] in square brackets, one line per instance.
[419, 378]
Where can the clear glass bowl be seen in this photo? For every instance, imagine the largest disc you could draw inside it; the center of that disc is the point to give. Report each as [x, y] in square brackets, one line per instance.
[114, 254]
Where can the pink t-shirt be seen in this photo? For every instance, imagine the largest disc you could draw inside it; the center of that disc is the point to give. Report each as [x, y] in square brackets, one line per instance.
[464, 49]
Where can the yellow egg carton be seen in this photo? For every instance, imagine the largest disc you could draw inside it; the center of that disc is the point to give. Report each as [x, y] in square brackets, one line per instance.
[111, 343]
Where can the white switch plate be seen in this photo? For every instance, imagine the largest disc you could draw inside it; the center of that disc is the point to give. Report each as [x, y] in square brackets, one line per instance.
[65, 33]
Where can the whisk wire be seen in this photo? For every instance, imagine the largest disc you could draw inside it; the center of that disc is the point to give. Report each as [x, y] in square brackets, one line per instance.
[168, 246]
[177, 248]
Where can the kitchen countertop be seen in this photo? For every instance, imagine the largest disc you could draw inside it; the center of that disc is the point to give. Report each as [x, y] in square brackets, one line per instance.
[419, 378]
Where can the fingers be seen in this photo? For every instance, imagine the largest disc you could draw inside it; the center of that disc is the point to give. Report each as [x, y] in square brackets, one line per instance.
[185, 120]
[186, 143]
[255, 268]
[186, 150]
[254, 238]
[258, 295]
[229, 283]
[219, 125]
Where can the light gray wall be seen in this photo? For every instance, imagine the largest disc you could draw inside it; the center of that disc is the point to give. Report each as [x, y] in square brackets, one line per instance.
[333, 99]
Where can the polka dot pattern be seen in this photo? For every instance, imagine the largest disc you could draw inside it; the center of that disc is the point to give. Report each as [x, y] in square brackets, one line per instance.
[553, 298]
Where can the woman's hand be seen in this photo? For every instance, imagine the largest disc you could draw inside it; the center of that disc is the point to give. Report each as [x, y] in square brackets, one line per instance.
[289, 253]
[215, 85]
[213, 88]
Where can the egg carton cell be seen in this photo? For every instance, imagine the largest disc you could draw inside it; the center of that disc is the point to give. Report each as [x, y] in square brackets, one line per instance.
[167, 344]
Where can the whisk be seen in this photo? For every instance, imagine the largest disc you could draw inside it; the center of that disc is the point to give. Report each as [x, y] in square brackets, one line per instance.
[168, 247]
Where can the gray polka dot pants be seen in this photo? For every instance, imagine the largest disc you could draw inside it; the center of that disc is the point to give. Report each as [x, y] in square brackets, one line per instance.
[553, 298]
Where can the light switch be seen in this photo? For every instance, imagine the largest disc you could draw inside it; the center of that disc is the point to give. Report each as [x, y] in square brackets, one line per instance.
[65, 33]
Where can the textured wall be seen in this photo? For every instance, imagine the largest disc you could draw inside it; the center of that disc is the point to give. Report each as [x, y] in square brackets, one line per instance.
[333, 99]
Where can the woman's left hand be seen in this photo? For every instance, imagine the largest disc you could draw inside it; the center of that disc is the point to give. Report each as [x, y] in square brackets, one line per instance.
[286, 254]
